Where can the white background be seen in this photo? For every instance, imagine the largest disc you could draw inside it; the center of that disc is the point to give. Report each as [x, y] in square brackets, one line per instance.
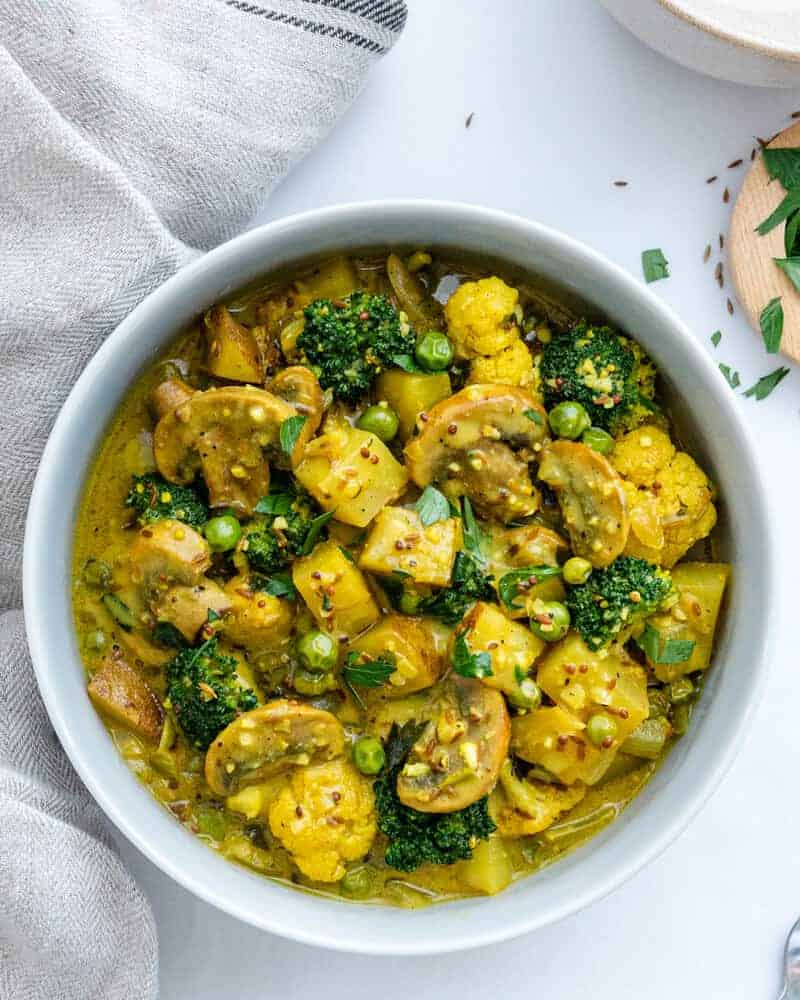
[565, 102]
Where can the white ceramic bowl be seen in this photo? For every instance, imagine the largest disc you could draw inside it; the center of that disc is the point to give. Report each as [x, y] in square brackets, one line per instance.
[681, 785]
[746, 41]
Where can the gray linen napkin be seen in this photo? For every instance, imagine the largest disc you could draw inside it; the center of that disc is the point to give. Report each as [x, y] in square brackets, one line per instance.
[133, 135]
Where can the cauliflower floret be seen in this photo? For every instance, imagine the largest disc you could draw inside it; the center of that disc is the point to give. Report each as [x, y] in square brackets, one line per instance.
[669, 496]
[483, 317]
[639, 454]
[511, 366]
[521, 808]
[325, 816]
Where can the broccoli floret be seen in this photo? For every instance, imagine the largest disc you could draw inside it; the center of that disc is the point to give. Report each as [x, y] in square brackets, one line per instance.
[601, 369]
[154, 498]
[615, 598]
[205, 692]
[276, 538]
[468, 584]
[350, 341]
[417, 838]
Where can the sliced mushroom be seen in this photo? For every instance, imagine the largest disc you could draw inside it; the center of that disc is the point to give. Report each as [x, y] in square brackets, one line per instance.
[478, 443]
[187, 608]
[169, 394]
[299, 386]
[232, 351]
[120, 694]
[169, 552]
[228, 434]
[421, 308]
[268, 740]
[458, 757]
[592, 500]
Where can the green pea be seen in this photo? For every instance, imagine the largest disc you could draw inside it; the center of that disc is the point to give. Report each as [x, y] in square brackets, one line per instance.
[312, 682]
[601, 730]
[681, 690]
[568, 420]
[598, 440]
[434, 351]
[549, 620]
[368, 755]
[528, 694]
[223, 532]
[380, 420]
[576, 571]
[318, 651]
[357, 883]
[96, 640]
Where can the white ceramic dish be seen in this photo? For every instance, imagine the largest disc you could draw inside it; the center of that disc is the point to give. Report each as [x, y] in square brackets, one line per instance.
[691, 771]
[745, 41]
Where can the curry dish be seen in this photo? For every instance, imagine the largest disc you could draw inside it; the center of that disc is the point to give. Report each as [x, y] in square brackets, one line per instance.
[393, 581]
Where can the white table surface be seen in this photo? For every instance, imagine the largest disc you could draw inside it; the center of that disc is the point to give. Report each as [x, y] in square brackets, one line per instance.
[565, 103]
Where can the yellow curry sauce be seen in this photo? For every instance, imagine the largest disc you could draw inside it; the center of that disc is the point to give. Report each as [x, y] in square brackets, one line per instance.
[391, 579]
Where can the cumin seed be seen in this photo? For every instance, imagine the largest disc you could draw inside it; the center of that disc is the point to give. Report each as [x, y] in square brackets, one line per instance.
[730, 307]
[619, 184]
[710, 180]
[721, 242]
[468, 122]
[726, 196]
[706, 253]
[720, 278]
[753, 154]
[734, 163]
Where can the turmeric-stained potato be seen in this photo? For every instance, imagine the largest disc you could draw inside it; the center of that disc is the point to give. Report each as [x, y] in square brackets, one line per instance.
[693, 618]
[399, 542]
[482, 317]
[232, 352]
[523, 807]
[256, 620]
[411, 393]
[457, 758]
[587, 684]
[187, 608]
[512, 649]
[169, 551]
[591, 497]
[335, 591]
[126, 698]
[270, 739]
[557, 740]
[408, 642]
[325, 817]
[351, 472]
[478, 443]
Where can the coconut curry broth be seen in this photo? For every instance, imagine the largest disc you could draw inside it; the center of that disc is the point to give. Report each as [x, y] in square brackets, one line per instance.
[390, 598]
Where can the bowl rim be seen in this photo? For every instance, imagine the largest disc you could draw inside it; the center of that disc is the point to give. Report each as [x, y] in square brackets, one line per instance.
[128, 821]
[713, 26]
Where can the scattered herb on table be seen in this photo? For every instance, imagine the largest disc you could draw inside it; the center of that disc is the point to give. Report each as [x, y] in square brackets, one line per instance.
[716, 337]
[767, 383]
[731, 377]
[654, 265]
[771, 322]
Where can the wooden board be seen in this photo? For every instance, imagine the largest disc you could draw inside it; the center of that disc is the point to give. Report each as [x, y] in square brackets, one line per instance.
[756, 278]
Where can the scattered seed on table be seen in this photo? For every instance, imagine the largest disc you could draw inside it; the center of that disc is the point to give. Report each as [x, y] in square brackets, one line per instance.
[718, 274]
[730, 307]
[734, 163]
[721, 242]
[710, 180]
[468, 122]
[620, 184]
[726, 196]
[795, 114]
[706, 253]
[753, 153]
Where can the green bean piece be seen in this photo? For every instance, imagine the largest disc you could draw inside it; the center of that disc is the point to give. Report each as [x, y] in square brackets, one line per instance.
[580, 824]
[681, 690]
[212, 823]
[357, 882]
[648, 739]
[681, 717]
[97, 573]
[119, 611]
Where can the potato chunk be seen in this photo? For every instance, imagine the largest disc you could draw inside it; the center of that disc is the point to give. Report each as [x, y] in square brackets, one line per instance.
[352, 473]
[512, 648]
[411, 393]
[120, 694]
[335, 591]
[256, 620]
[555, 739]
[694, 618]
[585, 683]
[481, 317]
[418, 664]
[232, 351]
[399, 541]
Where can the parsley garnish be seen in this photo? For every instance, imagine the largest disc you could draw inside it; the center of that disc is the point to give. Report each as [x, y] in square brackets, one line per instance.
[474, 536]
[275, 503]
[508, 585]
[470, 664]
[672, 650]
[290, 432]
[314, 531]
[767, 383]
[432, 506]
[279, 585]
[771, 322]
[367, 673]
[534, 416]
[654, 265]
[406, 362]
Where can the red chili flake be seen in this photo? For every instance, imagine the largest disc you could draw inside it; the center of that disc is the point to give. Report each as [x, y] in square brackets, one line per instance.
[363, 315]
[452, 428]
